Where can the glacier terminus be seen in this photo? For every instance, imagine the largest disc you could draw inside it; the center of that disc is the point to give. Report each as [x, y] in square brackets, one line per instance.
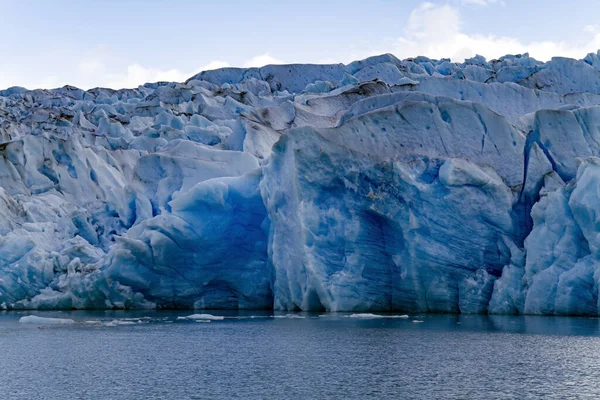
[413, 185]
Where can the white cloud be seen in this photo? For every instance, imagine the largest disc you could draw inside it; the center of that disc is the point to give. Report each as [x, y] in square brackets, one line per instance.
[135, 74]
[435, 31]
[102, 68]
[95, 70]
[432, 29]
[429, 23]
[215, 64]
[261, 60]
[12, 77]
[482, 2]
[138, 75]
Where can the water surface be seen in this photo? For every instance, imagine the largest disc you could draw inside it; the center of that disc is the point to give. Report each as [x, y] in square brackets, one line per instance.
[158, 355]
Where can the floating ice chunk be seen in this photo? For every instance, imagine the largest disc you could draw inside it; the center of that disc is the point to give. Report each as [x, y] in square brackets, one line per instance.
[289, 316]
[207, 317]
[117, 322]
[35, 320]
[366, 316]
[370, 315]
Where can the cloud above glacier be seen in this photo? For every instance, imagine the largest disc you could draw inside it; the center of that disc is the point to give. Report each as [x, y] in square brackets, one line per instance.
[437, 29]
[483, 2]
[263, 59]
[137, 74]
[95, 70]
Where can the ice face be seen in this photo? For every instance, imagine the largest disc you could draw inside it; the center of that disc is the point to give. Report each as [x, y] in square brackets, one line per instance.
[413, 185]
[209, 252]
[369, 233]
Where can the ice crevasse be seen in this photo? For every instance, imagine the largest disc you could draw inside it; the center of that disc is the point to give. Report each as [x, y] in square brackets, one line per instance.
[414, 185]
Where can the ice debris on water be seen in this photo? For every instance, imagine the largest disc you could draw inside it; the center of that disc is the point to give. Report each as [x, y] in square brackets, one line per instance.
[35, 320]
[206, 317]
[370, 316]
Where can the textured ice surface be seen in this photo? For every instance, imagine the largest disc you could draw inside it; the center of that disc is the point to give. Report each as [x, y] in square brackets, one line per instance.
[383, 185]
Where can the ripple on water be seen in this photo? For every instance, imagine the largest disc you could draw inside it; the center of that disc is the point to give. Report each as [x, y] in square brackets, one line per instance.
[158, 356]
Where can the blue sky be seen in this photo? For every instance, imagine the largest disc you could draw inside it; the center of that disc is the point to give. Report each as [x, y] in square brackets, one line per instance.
[123, 43]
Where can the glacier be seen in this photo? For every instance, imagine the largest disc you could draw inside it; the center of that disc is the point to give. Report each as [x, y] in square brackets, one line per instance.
[383, 185]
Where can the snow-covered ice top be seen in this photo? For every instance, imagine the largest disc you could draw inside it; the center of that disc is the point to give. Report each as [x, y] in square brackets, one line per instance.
[412, 185]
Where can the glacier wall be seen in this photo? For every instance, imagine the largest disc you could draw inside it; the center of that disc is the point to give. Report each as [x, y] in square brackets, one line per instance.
[412, 185]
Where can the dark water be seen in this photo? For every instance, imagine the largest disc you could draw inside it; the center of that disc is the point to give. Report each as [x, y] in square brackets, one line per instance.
[159, 356]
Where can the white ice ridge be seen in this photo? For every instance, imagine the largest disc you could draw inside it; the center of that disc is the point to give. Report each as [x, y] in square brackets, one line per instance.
[380, 186]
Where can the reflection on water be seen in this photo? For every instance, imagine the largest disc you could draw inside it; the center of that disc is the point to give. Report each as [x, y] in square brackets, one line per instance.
[579, 326]
[155, 355]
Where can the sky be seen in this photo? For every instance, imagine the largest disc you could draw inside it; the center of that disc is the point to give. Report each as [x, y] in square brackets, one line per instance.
[125, 43]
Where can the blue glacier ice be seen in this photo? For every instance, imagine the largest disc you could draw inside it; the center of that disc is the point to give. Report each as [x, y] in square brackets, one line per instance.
[414, 185]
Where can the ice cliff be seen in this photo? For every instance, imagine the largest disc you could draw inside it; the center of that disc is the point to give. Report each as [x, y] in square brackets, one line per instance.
[413, 185]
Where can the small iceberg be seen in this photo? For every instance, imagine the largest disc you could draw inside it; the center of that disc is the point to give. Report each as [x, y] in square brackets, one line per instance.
[207, 317]
[117, 322]
[369, 315]
[366, 316]
[289, 316]
[35, 320]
